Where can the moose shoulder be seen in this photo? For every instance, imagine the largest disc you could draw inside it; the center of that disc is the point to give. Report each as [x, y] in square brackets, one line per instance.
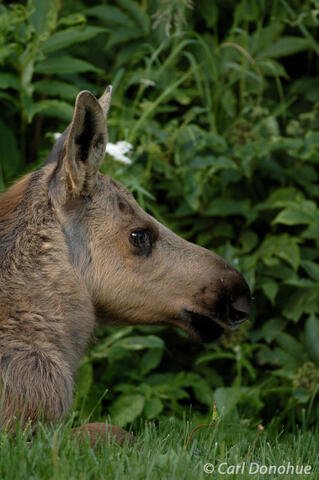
[74, 246]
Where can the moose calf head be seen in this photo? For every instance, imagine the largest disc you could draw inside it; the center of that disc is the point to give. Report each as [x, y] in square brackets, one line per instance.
[74, 247]
[135, 270]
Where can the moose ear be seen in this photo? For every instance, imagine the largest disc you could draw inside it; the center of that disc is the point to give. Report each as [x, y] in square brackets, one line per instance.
[105, 100]
[84, 146]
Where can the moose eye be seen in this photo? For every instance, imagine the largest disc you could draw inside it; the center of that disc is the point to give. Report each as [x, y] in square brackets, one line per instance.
[141, 238]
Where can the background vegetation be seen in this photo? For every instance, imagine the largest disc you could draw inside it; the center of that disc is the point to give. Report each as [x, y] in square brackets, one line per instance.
[220, 101]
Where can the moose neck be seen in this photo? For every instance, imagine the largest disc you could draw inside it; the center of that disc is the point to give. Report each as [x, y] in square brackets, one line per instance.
[34, 252]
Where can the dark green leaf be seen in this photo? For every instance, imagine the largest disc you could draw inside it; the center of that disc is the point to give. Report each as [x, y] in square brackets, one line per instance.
[126, 409]
[136, 12]
[56, 88]
[312, 333]
[203, 392]
[68, 37]
[151, 359]
[311, 268]
[139, 343]
[281, 246]
[123, 34]
[8, 80]
[226, 399]
[54, 108]
[64, 64]
[9, 152]
[270, 288]
[84, 379]
[44, 15]
[285, 46]
[272, 328]
[110, 15]
[153, 408]
[223, 207]
[299, 214]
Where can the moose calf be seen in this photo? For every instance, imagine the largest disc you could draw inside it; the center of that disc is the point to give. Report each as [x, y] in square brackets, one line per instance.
[75, 249]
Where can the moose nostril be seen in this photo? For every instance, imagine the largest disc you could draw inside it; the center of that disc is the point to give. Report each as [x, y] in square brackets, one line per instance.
[240, 309]
[242, 304]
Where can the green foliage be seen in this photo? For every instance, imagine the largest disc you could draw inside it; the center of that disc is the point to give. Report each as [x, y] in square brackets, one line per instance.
[225, 130]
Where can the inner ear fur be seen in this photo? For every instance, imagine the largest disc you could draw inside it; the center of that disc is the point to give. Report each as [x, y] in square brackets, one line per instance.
[83, 149]
[85, 144]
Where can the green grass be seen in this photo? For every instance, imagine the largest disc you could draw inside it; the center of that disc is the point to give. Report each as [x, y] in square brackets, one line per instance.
[159, 453]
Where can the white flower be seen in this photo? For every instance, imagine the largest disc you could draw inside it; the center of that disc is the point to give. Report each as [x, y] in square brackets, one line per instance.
[56, 135]
[147, 82]
[117, 151]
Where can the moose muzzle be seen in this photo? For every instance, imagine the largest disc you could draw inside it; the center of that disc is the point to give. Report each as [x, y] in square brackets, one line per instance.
[223, 304]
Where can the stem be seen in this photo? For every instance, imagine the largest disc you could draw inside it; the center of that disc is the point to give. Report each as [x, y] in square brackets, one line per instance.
[260, 429]
[197, 428]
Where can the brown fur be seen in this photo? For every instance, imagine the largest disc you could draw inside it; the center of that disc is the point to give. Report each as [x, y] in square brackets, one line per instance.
[12, 198]
[67, 260]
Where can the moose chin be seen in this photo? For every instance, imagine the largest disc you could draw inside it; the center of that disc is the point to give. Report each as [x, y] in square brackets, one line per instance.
[75, 249]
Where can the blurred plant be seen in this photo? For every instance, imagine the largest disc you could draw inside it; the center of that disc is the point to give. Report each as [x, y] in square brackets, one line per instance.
[32, 38]
[306, 378]
[171, 14]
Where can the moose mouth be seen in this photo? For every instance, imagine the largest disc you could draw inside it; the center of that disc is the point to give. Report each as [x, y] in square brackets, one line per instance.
[208, 329]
